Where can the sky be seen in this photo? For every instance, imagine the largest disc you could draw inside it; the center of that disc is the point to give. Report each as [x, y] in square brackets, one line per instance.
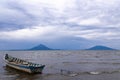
[59, 24]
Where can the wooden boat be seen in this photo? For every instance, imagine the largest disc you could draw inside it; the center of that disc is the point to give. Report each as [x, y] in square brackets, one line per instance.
[23, 65]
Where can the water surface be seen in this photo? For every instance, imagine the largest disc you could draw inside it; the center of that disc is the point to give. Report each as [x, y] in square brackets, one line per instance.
[65, 65]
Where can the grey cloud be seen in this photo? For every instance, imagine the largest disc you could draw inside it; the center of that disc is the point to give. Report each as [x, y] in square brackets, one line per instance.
[15, 14]
[81, 9]
[26, 18]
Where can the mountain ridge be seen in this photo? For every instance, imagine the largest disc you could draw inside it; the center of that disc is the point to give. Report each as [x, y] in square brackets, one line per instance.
[40, 47]
[100, 47]
[44, 47]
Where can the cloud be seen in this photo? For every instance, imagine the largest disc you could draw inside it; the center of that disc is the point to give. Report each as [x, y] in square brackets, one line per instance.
[53, 33]
[53, 20]
[91, 21]
[35, 12]
[27, 33]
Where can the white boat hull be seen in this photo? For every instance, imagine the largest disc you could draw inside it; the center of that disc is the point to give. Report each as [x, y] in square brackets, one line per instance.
[18, 68]
[23, 65]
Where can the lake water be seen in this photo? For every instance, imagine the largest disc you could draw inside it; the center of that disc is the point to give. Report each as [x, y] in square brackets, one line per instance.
[65, 65]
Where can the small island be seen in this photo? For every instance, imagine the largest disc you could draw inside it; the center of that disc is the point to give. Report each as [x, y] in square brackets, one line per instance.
[40, 47]
[99, 47]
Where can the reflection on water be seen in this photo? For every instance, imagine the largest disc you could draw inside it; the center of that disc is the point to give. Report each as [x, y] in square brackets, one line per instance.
[19, 75]
[65, 65]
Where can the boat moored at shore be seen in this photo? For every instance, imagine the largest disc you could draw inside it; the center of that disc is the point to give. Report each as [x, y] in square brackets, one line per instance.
[23, 65]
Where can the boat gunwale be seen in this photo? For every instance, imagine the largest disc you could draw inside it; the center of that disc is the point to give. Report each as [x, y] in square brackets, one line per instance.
[28, 63]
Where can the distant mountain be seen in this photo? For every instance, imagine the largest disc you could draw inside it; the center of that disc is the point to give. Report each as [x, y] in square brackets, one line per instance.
[100, 48]
[40, 47]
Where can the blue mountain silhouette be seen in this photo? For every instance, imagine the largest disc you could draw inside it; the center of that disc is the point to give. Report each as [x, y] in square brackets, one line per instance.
[99, 47]
[40, 47]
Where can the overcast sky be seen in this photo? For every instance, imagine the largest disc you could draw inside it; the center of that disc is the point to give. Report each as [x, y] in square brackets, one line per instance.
[64, 23]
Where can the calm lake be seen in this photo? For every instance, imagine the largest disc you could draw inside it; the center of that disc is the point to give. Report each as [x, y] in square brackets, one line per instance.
[65, 65]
